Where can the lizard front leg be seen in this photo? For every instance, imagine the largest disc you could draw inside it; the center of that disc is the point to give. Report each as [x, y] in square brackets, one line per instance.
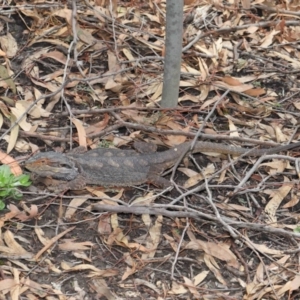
[59, 186]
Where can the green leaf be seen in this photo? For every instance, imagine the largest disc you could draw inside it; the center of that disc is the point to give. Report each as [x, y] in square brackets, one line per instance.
[5, 76]
[5, 171]
[4, 193]
[16, 194]
[297, 229]
[9, 182]
[23, 179]
[2, 205]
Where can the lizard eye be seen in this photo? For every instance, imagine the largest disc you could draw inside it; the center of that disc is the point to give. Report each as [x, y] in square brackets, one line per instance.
[65, 166]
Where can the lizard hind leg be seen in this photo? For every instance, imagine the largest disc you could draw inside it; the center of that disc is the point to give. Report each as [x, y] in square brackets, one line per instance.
[155, 178]
[159, 181]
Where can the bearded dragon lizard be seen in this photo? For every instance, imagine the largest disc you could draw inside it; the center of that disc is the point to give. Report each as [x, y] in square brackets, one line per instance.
[114, 167]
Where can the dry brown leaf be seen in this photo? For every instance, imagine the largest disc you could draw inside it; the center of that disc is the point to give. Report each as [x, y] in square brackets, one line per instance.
[21, 215]
[15, 168]
[104, 227]
[188, 172]
[158, 92]
[218, 250]
[122, 140]
[52, 241]
[99, 126]
[114, 217]
[204, 69]
[231, 81]
[118, 237]
[260, 272]
[266, 250]
[85, 35]
[269, 129]
[52, 87]
[236, 88]
[173, 140]
[70, 245]
[128, 54]
[97, 272]
[209, 170]
[275, 166]
[232, 206]
[73, 205]
[4, 110]
[209, 102]
[12, 244]
[16, 290]
[7, 284]
[52, 103]
[48, 77]
[214, 268]
[246, 4]
[187, 83]
[113, 85]
[296, 104]
[57, 42]
[144, 200]
[8, 216]
[177, 289]
[294, 62]
[101, 288]
[58, 56]
[20, 111]
[153, 239]
[294, 201]
[243, 108]
[129, 270]
[233, 129]
[13, 134]
[41, 235]
[64, 13]
[192, 288]
[9, 45]
[113, 63]
[36, 111]
[158, 46]
[277, 197]
[189, 69]
[200, 277]
[28, 62]
[1, 120]
[81, 132]
[255, 92]
[204, 92]
[268, 39]
[172, 241]
[295, 283]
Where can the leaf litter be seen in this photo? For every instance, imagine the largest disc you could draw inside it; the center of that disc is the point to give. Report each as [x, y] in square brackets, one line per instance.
[106, 77]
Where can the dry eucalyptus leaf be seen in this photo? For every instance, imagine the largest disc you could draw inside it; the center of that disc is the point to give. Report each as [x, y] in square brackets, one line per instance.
[13, 134]
[9, 45]
[11, 162]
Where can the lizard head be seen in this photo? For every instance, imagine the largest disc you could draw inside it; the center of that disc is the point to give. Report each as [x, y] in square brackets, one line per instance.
[52, 164]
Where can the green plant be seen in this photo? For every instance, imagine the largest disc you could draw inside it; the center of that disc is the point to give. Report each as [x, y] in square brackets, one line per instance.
[105, 144]
[297, 229]
[9, 183]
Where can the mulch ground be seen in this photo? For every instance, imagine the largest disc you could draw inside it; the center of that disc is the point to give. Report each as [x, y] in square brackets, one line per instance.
[90, 73]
